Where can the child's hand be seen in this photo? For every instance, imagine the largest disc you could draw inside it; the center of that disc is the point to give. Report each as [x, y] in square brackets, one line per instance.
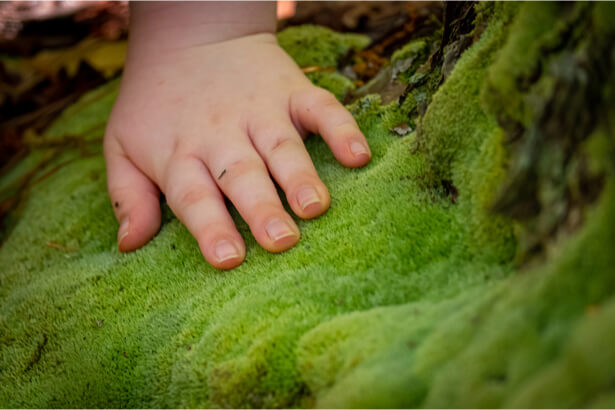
[199, 121]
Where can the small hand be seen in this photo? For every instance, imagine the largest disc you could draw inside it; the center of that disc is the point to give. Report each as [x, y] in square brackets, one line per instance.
[217, 119]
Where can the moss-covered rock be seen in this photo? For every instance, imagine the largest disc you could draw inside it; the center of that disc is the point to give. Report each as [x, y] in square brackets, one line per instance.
[405, 294]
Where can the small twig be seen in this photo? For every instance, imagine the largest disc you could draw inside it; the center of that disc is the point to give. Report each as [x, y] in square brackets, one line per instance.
[314, 68]
[59, 246]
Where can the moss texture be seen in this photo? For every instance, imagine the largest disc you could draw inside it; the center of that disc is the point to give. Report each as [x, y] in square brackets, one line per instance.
[322, 48]
[319, 46]
[399, 296]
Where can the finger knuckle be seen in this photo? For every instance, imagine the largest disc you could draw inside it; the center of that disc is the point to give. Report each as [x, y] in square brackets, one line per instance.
[323, 98]
[110, 144]
[313, 96]
[271, 136]
[239, 168]
[281, 143]
[185, 197]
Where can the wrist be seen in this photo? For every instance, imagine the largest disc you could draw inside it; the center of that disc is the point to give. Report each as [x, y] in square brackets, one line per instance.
[167, 26]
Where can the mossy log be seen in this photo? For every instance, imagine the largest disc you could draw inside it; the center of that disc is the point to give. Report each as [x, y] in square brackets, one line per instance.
[470, 264]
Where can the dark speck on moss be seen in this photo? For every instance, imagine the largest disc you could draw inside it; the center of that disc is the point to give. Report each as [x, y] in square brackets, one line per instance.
[498, 378]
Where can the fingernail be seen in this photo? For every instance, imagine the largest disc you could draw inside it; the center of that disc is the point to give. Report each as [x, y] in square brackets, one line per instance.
[225, 250]
[307, 196]
[123, 231]
[276, 229]
[357, 148]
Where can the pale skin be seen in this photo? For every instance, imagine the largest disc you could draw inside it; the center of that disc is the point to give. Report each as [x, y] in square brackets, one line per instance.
[210, 106]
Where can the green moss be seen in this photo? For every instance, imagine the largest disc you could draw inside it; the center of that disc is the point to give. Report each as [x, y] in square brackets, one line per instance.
[318, 46]
[400, 296]
[321, 47]
[458, 101]
[334, 82]
[410, 50]
[87, 117]
[604, 18]
[537, 29]
[463, 142]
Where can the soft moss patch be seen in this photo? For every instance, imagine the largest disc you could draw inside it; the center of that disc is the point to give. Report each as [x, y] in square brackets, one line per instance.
[321, 48]
[334, 82]
[400, 296]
